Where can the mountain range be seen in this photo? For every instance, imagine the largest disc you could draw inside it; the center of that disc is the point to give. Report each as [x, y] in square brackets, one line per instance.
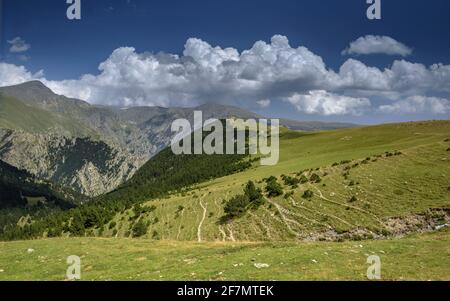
[89, 148]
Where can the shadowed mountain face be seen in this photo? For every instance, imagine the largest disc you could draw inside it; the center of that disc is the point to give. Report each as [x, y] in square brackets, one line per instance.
[19, 188]
[89, 148]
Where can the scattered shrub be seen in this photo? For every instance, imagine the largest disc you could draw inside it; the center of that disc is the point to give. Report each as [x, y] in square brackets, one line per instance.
[253, 193]
[112, 225]
[315, 178]
[307, 194]
[303, 179]
[288, 194]
[236, 206]
[139, 229]
[353, 199]
[290, 181]
[274, 189]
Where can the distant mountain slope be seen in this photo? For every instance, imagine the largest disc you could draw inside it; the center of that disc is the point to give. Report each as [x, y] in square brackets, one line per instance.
[89, 166]
[18, 188]
[17, 115]
[35, 121]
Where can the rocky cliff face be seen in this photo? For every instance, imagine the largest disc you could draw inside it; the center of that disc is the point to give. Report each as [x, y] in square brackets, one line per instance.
[91, 149]
[87, 166]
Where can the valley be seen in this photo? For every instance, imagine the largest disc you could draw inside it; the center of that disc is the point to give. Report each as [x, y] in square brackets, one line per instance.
[335, 197]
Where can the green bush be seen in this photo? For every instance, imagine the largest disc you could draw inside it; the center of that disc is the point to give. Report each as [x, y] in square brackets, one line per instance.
[139, 229]
[274, 189]
[237, 206]
[303, 179]
[353, 199]
[290, 181]
[307, 194]
[112, 225]
[288, 194]
[253, 193]
[315, 178]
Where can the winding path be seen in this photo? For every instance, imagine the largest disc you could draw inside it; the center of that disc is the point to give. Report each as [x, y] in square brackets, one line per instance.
[199, 229]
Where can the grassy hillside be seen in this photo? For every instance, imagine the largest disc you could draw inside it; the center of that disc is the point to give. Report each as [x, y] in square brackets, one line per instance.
[352, 184]
[375, 182]
[419, 257]
[347, 194]
[14, 114]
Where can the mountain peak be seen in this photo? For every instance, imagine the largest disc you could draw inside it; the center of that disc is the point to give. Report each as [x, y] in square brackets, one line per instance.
[34, 84]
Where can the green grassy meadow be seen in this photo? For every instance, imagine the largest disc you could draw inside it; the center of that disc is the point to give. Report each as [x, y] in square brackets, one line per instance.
[418, 257]
[385, 187]
[387, 198]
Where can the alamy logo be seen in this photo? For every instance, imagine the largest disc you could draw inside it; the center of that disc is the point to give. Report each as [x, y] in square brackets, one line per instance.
[74, 10]
[74, 270]
[374, 270]
[374, 10]
[237, 136]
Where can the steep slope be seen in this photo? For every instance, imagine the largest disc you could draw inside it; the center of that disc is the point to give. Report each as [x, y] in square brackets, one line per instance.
[16, 115]
[45, 138]
[162, 175]
[361, 183]
[19, 188]
[90, 167]
[372, 182]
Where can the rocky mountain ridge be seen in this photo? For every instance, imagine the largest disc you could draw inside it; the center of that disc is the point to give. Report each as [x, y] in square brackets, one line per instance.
[89, 148]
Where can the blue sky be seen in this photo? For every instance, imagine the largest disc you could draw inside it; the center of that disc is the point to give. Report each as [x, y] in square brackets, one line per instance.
[67, 50]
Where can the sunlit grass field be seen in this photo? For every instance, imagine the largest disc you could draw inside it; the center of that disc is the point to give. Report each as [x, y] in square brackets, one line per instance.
[385, 187]
[186, 240]
[418, 257]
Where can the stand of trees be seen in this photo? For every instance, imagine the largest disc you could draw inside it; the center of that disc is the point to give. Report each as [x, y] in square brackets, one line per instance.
[163, 174]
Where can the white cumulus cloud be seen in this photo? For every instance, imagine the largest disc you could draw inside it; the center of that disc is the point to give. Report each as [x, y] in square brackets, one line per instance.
[371, 44]
[18, 45]
[272, 71]
[12, 75]
[325, 103]
[417, 105]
